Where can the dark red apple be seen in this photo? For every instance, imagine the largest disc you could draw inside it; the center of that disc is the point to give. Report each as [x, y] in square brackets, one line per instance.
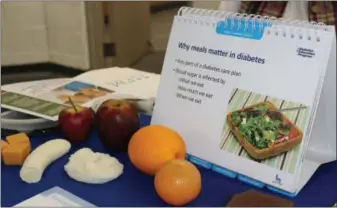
[76, 123]
[117, 121]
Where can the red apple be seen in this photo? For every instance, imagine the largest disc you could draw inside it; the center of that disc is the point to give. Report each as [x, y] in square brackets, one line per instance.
[76, 123]
[117, 121]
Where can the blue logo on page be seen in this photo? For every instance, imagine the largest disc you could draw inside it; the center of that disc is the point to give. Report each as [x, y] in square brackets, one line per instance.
[252, 29]
[278, 180]
[305, 52]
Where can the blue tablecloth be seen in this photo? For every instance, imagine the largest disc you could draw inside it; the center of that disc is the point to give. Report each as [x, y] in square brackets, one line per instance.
[136, 189]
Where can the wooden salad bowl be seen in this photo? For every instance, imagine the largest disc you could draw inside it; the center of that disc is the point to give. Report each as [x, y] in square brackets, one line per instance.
[273, 149]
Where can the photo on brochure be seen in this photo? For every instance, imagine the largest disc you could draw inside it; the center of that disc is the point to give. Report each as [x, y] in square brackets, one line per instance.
[79, 92]
[264, 129]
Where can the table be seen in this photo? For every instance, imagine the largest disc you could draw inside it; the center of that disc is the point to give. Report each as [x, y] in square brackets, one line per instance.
[133, 188]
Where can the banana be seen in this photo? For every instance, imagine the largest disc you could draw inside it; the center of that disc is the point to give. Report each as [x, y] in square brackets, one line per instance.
[38, 160]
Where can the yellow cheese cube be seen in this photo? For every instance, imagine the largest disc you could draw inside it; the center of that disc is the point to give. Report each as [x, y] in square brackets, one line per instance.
[16, 154]
[18, 138]
[4, 144]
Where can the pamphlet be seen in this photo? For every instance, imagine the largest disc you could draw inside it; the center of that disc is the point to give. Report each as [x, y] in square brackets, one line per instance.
[55, 197]
[47, 99]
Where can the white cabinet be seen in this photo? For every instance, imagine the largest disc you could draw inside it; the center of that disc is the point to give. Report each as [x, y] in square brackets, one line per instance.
[67, 33]
[23, 33]
[73, 33]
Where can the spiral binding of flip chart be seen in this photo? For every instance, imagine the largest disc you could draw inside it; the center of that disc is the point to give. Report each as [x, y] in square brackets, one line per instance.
[250, 22]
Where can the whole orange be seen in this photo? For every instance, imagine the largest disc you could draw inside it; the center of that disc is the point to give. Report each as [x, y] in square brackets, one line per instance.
[153, 146]
[178, 182]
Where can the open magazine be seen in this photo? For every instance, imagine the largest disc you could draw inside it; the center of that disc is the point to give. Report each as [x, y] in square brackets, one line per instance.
[90, 89]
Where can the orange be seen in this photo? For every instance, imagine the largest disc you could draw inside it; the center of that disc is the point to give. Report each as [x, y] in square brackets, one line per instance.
[153, 146]
[178, 182]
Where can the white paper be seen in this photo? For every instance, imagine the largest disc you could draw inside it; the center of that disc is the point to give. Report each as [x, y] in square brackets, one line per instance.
[287, 74]
[55, 197]
[42, 201]
[47, 98]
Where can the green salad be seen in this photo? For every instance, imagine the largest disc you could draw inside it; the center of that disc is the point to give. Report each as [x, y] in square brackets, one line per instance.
[261, 127]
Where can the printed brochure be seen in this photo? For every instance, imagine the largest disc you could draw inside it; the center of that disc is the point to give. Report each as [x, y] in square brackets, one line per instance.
[46, 99]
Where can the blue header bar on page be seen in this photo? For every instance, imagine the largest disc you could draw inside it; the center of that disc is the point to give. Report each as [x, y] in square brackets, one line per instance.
[252, 29]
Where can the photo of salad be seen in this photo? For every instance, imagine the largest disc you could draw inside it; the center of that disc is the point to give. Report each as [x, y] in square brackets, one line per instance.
[264, 129]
